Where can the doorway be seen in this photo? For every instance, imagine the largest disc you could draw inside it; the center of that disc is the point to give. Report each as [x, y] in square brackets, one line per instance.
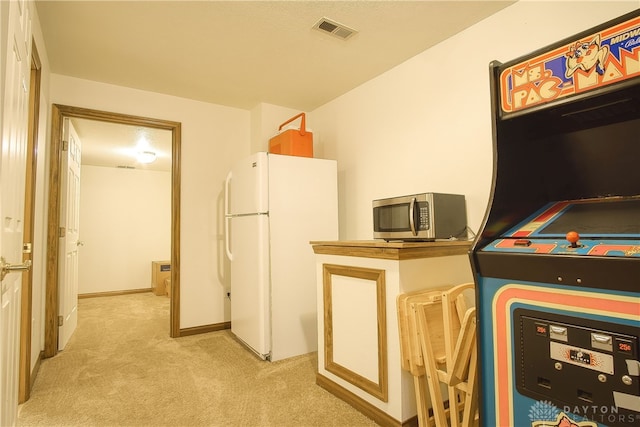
[59, 114]
[124, 206]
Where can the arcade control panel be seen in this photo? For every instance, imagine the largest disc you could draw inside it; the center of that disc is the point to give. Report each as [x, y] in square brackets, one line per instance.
[590, 227]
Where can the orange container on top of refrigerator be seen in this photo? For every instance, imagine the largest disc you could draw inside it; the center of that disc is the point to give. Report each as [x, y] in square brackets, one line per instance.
[293, 141]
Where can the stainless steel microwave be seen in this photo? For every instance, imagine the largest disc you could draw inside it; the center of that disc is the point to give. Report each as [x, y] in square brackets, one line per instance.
[425, 216]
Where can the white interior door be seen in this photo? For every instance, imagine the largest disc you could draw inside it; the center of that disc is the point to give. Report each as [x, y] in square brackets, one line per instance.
[16, 45]
[69, 233]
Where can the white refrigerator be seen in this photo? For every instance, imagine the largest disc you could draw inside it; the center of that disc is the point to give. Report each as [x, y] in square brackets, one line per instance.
[274, 206]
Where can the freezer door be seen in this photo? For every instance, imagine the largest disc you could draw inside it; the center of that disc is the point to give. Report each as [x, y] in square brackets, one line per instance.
[246, 188]
[250, 320]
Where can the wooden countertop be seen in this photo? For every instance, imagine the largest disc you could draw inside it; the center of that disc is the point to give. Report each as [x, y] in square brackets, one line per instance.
[391, 250]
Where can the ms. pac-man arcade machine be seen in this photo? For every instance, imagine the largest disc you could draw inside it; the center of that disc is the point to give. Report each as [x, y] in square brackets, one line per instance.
[557, 259]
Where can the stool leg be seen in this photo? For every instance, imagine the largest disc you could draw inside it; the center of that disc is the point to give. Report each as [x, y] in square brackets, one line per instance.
[435, 394]
[422, 400]
[471, 399]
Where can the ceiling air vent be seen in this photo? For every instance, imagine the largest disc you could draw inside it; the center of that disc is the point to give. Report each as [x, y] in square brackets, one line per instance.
[333, 28]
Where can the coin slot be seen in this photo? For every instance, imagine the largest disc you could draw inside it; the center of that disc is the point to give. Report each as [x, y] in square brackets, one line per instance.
[543, 382]
[585, 396]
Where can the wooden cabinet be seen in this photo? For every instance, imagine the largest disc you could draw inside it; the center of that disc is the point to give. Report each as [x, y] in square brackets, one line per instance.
[358, 339]
[160, 271]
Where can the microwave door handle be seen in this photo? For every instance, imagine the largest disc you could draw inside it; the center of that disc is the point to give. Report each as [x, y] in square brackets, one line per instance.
[412, 217]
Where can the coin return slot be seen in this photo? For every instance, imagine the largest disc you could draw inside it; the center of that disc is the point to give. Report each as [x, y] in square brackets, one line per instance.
[543, 382]
[585, 396]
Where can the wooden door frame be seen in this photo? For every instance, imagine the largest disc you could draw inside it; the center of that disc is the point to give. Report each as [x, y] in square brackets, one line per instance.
[26, 313]
[58, 114]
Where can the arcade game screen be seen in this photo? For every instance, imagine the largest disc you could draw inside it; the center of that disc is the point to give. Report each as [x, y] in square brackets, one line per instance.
[598, 219]
[605, 227]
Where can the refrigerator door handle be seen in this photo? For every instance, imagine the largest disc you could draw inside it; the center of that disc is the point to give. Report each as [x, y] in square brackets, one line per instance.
[226, 216]
[226, 193]
[226, 238]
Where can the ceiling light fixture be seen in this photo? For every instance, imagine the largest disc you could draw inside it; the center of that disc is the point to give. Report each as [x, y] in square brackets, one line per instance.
[146, 157]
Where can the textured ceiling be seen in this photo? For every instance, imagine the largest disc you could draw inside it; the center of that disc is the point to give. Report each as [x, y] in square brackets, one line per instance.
[242, 53]
[236, 53]
[117, 145]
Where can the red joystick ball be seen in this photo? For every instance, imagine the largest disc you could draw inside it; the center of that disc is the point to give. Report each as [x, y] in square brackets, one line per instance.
[573, 237]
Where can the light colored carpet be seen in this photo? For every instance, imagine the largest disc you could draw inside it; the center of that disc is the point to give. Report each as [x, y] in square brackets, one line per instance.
[122, 369]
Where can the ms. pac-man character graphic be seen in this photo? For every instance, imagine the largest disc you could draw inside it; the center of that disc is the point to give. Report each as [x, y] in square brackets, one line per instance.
[585, 56]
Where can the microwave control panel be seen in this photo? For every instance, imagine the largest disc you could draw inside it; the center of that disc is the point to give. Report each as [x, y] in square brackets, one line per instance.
[423, 208]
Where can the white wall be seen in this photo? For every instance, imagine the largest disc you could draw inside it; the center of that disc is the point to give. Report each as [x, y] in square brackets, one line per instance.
[425, 125]
[213, 137]
[125, 224]
[265, 120]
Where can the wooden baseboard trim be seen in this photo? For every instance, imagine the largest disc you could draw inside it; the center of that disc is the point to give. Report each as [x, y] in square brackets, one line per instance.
[36, 368]
[362, 405]
[204, 329]
[114, 293]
